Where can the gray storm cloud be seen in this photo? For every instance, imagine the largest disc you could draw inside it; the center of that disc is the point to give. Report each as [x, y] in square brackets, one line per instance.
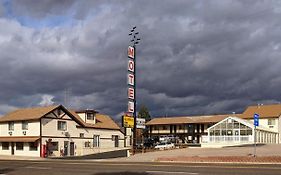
[195, 57]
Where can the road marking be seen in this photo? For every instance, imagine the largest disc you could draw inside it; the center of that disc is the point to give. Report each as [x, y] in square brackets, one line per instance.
[39, 168]
[169, 172]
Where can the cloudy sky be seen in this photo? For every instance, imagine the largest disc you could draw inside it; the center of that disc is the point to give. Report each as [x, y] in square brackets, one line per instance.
[195, 57]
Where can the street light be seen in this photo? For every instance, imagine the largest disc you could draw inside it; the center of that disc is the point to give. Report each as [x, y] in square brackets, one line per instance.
[134, 41]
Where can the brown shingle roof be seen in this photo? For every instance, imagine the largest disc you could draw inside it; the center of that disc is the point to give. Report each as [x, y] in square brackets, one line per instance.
[102, 121]
[265, 111]
[188, 119]
[27, 114]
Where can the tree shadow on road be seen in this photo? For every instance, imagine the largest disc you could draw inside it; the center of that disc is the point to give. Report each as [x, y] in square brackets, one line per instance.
[5, 170]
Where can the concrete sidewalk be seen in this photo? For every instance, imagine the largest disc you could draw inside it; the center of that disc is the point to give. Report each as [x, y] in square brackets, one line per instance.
[9, 157]
[265, 153]
[272, 152]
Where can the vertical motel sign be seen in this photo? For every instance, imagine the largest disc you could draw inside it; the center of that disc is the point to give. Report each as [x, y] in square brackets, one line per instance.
[131, 80]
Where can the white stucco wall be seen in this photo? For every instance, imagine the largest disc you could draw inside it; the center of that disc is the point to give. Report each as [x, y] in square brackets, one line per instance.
[33, 129]
[24, 152]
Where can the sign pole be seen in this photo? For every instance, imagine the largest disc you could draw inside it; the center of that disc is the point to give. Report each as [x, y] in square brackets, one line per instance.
[132, 103]
[135, 107]
[255, 140]
[256, 123]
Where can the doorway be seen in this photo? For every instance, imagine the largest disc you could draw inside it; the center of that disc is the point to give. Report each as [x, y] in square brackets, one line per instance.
[12, 148]
[116, 141]
[72, 148]
[65, 148]
[236, 133]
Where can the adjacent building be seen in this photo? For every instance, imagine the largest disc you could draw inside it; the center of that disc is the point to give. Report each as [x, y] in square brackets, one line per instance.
[56, 131]
[221, 130]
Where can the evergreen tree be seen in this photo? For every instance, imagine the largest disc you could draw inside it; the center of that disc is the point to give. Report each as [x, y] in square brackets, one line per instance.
[144, 113]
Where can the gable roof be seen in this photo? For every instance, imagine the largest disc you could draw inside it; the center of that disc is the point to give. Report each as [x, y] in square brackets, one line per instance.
[27, 113]
[102, 122]
[265, 111]
[35, 113]
[250, 124]
[187, 119]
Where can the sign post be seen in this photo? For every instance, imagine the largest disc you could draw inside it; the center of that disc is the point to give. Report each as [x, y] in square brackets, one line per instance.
[256, 123]
[131, 81]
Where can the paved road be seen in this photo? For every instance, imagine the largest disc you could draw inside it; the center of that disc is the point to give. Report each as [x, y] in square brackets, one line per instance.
[58, 167]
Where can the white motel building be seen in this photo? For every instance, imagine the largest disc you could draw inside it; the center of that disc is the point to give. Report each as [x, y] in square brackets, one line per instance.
[54, 131]
[222, 130]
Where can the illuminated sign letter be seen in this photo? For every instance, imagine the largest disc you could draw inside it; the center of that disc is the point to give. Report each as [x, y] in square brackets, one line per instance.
[131, 107]
[131, 93]
[131, 79]
[131, 66]
[131, 52]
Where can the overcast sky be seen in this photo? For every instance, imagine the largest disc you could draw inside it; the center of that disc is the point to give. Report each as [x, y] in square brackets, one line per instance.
[195, 57]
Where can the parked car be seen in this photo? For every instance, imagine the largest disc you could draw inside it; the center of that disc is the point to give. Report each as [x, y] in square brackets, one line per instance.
[163, 146]
[149, 143]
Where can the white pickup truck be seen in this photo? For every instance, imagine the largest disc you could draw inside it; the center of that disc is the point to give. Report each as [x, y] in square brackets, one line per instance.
[163, 146]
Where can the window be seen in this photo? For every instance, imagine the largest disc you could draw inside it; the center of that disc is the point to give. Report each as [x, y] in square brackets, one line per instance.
[164, 127]
[11, 126]
[90, 116]
[96, 141]
[62, 125]
[5, 145]
[87, 144]
[54, 146]
[180, 127]
[81, 135]
[24, 125]
[32, 146]
[19, 145]
[271, 122]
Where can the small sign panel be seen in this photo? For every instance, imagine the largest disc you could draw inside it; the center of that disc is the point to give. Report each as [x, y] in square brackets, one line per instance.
[256, 119]
[140, 123]
[128, 121]
[131, 52]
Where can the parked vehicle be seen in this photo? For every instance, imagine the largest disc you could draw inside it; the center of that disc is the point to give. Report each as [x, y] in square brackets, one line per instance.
[163, 146]
[149, 143]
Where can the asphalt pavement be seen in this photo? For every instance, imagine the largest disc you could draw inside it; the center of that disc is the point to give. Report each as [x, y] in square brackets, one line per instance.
[70, 167]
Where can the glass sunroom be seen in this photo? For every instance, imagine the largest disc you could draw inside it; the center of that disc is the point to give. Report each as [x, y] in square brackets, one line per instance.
[236, 130]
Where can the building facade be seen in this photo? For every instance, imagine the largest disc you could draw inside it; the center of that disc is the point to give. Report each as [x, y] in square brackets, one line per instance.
[187, 129]
[55, 131]
[202, 129]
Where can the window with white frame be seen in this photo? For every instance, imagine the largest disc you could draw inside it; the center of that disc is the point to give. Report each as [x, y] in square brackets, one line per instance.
[96, 141]
[11, 126]
[62, 125]
[271, 121]
[24, 125]
[5, 145]
[19, 145]
[90, 116]
[33, 146]
[87, 144]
